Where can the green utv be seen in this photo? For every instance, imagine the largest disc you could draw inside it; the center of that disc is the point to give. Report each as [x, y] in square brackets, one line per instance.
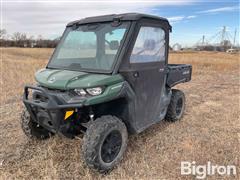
[108, 77]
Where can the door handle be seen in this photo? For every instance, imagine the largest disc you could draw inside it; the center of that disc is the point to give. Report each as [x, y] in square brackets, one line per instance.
[136, 74]
[161, 70]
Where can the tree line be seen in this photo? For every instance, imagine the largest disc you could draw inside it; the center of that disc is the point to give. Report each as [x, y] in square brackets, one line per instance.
[18, 39]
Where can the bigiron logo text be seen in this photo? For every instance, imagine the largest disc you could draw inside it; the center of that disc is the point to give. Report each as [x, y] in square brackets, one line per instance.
[209, 169]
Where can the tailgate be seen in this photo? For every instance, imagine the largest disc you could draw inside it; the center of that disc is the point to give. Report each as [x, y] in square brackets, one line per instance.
[178, 73]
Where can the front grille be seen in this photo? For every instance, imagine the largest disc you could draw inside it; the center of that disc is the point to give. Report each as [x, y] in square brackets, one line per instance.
[55, 90]
[39, 97]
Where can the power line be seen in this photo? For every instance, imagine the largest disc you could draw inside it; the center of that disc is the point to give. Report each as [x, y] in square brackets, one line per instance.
[222, 38]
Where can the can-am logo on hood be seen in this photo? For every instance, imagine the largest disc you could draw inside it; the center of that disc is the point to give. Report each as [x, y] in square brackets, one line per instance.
[52, 80]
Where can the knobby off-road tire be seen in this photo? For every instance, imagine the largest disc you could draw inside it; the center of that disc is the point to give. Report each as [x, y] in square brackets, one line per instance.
[104, 143]
[31, 129]
[176, 107]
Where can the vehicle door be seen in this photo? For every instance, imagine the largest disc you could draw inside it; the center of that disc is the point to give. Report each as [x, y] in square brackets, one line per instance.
[147, 62]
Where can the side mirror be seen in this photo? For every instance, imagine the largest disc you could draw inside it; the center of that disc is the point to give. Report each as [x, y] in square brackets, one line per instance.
[113, 45]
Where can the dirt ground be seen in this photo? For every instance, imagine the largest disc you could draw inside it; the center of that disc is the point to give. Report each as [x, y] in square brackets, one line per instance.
[209, 131]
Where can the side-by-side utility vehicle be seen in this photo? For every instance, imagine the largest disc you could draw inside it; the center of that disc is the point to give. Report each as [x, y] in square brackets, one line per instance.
[108, 77]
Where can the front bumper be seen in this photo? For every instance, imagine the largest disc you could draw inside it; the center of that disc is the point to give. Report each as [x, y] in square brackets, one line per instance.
[49, 113]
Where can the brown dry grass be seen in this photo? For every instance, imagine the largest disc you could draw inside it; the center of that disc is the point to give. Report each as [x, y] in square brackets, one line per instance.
[209, 131]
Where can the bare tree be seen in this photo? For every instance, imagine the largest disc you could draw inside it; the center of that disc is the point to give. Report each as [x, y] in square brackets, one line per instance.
[23, 37]
[3, 33]
[19, 39]
[31, 38]
[16, 36]
[40, 41]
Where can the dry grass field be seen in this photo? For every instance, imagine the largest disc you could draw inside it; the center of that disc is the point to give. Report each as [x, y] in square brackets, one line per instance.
[209, 131]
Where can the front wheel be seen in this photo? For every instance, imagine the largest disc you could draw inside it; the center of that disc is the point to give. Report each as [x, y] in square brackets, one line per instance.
[32, 129]
[104, 143]
[176, 107]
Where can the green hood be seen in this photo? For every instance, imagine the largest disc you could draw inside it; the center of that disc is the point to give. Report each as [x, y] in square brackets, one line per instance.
[65, 79]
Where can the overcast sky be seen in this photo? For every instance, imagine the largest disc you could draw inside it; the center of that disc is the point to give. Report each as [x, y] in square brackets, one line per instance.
[190, 18]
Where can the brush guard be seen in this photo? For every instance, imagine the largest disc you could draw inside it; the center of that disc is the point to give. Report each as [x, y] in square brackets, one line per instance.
[50, 113]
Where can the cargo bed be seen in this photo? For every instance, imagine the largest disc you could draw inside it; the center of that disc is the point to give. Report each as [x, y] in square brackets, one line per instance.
[178, 73]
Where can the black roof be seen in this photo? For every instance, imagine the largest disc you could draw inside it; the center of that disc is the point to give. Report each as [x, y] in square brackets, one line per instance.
[122, 17]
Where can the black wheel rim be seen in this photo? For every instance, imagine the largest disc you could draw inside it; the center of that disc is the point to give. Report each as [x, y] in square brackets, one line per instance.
[179, 106]
[111, 146]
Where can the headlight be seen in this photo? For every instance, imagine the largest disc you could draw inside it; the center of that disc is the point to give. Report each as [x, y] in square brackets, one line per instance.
[94, 91]
[80, 92]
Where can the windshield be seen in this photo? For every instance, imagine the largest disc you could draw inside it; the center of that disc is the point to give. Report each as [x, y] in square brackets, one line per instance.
[91, 47]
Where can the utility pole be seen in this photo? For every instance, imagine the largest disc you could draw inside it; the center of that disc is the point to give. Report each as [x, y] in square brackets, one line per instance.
[223, 35]
[203, 39]
[234, 40]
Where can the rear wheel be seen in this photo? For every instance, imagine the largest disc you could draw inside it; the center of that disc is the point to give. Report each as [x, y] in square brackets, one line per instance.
[32, 129]
[104, 143]
[176, 107]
